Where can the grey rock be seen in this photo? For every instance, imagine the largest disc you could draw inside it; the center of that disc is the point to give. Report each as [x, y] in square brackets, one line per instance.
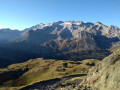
[106, 75]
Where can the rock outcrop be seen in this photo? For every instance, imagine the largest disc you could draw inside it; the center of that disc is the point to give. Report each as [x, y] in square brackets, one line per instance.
[106, 75]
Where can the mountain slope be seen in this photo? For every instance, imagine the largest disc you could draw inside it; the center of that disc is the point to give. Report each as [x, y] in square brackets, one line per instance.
[104, 76]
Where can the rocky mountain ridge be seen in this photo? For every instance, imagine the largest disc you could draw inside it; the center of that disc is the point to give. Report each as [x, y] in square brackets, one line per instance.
[69, 40]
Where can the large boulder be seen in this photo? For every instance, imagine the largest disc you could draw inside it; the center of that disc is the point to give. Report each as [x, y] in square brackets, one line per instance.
[106, 75]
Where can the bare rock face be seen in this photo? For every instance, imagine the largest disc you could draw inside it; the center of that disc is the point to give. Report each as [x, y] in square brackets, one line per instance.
[106, 75]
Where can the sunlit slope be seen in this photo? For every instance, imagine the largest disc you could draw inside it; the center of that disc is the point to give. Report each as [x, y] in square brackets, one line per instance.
[36, 70]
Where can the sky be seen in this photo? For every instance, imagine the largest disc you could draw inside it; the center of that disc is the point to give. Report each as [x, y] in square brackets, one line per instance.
[21, 14]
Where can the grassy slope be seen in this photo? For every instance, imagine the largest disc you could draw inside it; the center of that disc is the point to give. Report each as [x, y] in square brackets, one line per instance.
[37, 70]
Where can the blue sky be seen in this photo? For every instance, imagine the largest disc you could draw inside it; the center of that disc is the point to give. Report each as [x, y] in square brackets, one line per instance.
[21, 14]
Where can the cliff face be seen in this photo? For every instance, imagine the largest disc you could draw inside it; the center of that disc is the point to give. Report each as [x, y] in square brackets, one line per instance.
[106, 75]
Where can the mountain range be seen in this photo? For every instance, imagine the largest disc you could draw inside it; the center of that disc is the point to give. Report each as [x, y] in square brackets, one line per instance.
[69, 40]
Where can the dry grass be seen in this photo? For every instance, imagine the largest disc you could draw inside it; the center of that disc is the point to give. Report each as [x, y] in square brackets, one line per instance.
[40, 70]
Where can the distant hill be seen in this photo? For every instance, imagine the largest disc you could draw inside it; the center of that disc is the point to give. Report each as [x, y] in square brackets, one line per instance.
[6, 35]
